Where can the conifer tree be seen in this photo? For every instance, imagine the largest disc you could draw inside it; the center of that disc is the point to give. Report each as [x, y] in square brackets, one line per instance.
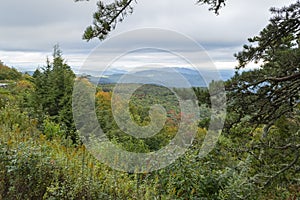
[53, 94]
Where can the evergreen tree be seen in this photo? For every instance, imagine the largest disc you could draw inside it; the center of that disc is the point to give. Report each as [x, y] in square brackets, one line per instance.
[53, 94]
[263, 118]
[272, 90]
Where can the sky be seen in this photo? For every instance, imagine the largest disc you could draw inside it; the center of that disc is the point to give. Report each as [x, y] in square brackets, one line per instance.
[30, 28]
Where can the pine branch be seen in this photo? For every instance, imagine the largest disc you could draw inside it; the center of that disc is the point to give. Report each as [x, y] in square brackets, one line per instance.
[284, 169]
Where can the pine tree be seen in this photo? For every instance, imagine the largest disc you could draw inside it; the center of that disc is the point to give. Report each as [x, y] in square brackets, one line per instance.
[53, 94]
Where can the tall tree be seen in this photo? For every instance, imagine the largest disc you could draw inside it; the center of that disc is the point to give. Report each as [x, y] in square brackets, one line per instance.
[54, 88]
[264, 103]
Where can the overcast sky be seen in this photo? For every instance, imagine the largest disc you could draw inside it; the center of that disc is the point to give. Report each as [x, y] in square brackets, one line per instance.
[30, 28]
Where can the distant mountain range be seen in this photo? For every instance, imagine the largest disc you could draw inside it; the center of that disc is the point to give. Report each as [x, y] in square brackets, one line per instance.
[171, 77]
[168, 76]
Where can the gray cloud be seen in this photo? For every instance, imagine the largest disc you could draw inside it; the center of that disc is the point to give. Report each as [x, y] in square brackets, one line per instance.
[32, 13]
[34, 26]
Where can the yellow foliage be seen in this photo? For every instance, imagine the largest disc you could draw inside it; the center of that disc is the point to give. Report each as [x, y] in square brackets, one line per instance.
[24, 85]
[105, 96]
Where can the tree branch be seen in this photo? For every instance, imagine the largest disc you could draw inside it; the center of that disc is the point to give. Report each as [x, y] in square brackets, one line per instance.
[284, 169]
[285, 78]
[120, 12]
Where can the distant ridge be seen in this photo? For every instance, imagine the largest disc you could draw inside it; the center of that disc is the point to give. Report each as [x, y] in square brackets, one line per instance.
[170, 75]
[174, 76]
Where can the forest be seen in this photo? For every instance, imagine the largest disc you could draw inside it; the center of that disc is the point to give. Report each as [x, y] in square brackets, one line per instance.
[43, 156]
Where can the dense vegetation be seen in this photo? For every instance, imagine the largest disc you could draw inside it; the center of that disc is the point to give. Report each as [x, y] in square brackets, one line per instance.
[256, 157]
